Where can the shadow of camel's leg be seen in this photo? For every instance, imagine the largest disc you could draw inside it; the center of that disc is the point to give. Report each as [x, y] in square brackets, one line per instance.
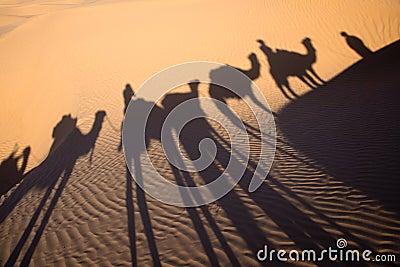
[286, 84]
[28, 256]
[316, 75]
[312, 80]
[208, 247]
[306, 82]
[29, 228]
[196, 220]
[229, 114]
[144, 214]
[130, 209]
[284, 92]
[258, 103]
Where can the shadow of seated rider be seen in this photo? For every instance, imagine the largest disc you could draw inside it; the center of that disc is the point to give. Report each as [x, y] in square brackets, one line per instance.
[64, 127]
[10, 173]
[70, 142]
[127, 94]
[357, 45]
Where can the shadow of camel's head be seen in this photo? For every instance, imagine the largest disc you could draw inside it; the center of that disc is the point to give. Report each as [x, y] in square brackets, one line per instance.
[100, 114]
[306, 41]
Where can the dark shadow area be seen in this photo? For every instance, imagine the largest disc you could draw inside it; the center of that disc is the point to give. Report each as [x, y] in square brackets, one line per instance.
[130, 208]
[152, 133]
[284, 64]
[299, 227]
[127, 94]
[183, 178]
[357, 45]
[351, 126]
[145, 216]
[69, 144]
[10, 173]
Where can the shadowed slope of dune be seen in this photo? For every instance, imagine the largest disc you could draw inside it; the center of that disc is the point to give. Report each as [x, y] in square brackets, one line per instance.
[350, 126]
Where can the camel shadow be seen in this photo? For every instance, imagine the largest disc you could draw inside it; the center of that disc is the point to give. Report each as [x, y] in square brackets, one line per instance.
[245, 88]
[284, 64]
[223, 73]
[68, 146]
[222, 94]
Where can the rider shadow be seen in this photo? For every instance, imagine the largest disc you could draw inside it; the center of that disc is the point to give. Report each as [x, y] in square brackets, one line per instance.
[128, 94]
[68, 146]
[284, 64]
[10, 173]
[357, 45]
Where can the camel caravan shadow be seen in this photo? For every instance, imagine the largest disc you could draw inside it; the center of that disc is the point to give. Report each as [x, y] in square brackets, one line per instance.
[351, 128]
[69, 144]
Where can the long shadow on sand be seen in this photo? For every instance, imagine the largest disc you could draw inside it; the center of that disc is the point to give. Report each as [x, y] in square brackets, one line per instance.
[69, 144]
[305, 232]
[141, 198]
[350, 126]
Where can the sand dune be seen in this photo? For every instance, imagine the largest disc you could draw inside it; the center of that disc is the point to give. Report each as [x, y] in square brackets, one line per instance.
[335, 171]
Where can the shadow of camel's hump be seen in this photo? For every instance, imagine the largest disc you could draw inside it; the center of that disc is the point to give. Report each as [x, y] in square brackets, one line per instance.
[350, 126]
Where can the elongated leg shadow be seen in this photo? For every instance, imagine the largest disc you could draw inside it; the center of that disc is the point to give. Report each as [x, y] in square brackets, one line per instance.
[17, 250]
[204, 238]
[198, 225]
[130, 209]
[28, 256]
[144, 214]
